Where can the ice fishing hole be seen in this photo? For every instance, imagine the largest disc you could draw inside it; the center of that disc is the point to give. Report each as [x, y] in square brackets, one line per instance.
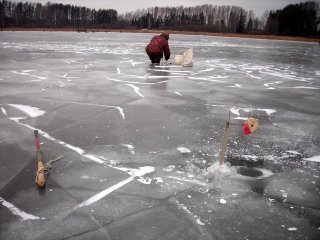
[249, 172]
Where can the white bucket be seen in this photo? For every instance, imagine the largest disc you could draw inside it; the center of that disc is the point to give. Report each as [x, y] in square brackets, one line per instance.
[177, 59]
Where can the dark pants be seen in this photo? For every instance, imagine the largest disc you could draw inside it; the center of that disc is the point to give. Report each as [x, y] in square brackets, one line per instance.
[154, 58]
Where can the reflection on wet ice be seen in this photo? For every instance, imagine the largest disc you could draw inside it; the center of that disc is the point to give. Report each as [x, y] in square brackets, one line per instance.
[159, 79]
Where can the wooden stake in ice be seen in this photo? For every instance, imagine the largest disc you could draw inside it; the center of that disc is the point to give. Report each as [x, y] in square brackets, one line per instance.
[224, 143]
[40, 175]
[250, 126]
[42, 168]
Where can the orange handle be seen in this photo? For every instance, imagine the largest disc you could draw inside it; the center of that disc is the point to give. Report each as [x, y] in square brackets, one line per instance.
[40, 177]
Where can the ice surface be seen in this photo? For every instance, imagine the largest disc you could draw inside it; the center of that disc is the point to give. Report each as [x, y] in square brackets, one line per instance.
[123, 124]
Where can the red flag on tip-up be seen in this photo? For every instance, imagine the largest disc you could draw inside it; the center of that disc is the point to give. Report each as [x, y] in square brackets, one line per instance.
[246, 130]
[250, 125]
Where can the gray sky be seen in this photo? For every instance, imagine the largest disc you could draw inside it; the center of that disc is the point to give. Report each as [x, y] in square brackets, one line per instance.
[122, 6]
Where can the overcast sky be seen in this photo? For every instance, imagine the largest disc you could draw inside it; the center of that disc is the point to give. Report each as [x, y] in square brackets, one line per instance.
[122, 6]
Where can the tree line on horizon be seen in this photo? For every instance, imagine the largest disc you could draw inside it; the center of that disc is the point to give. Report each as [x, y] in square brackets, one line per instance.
[302, 19]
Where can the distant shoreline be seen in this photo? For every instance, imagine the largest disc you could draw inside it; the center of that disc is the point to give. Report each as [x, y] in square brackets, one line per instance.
[270, 37]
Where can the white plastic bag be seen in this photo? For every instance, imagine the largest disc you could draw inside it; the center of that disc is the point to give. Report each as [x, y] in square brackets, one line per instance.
[187, 59]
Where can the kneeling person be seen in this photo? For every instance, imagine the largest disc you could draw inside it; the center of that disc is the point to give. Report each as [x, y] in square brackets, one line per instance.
[158, 47]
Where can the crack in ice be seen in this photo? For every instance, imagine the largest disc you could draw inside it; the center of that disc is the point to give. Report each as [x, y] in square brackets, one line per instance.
[136, 89]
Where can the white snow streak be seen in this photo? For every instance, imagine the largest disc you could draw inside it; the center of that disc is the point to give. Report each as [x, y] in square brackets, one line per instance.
[304, 87]
[170, 168]
[207, 70]
[313, 159]
[133, 63]
[4, 111]
[185, 208]
[25, 73]
[136, 89]
[131, 171]
[141, 83]
[100, 105]
[159, 180]
[130, 148]
[236, 85]
[292, 229]
[160, 76]
[66, 76]
[171, 71]
[193, 181]
[167, 66]
[121, 112]
[141, 171]
[18, 212]
[48, 136]
[235, 111]
[94, 158]
[272, 83]
[268, 111]
[222, 201]
[212, 79]
[241, 118]
[183, 150]
[105, 192]
[31, 111]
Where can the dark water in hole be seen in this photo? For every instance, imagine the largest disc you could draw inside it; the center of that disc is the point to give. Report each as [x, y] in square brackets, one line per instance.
[250, 172]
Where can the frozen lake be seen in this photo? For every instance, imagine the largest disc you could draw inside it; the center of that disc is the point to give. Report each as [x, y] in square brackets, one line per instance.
[141, 142]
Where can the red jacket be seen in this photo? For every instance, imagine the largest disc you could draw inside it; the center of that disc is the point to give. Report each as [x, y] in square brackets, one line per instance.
[159, 46]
